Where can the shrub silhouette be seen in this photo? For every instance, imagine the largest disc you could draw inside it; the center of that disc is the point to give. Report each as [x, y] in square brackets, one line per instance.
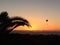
[7, 24]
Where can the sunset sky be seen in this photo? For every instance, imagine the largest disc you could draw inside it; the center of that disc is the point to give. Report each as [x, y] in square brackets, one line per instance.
[36, 12]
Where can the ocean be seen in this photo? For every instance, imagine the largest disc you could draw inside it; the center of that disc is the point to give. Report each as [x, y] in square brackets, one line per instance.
[37, 33]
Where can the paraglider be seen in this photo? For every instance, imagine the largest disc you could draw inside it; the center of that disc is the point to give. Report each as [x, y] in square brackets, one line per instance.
[46, 20]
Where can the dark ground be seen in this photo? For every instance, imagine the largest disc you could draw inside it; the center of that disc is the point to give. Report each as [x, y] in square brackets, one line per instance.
[18, 39]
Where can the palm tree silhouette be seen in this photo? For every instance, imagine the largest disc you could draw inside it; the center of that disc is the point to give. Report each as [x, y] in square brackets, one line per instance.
[6, 22]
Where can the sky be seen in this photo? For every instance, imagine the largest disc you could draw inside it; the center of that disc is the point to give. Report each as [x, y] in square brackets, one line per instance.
[36, 12]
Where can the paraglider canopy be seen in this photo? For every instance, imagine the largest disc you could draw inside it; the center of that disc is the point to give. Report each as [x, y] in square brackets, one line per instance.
[46, 20]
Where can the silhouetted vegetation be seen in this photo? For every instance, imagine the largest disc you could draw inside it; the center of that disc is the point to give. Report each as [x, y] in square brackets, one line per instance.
[29, 39]
[7, 24]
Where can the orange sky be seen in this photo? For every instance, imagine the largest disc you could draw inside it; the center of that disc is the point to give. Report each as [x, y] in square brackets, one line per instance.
[41, 25]
[36, 12]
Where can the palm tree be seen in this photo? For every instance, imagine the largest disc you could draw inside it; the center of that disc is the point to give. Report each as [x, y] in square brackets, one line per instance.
[6, 22]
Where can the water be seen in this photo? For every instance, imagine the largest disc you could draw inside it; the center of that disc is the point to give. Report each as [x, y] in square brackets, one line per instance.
[37, 33]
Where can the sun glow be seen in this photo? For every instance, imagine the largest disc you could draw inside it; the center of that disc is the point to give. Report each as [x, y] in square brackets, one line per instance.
[35, 23]
[38, 24]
